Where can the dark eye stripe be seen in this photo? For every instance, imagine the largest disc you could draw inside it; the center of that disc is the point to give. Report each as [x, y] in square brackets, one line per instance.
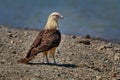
[57, 15]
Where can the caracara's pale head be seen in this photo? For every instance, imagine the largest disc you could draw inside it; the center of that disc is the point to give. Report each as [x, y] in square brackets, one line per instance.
[56, 16]
[53, 20]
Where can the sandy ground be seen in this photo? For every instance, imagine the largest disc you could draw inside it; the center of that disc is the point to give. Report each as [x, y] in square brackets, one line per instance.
[78, 58]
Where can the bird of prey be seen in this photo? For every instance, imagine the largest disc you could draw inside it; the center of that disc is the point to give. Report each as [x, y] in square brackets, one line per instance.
[47, 40]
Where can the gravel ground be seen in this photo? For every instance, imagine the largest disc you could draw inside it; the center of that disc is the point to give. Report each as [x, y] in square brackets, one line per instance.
[78, 58]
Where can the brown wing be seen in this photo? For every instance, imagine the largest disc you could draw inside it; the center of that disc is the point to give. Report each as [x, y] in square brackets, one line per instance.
[50, 39]
[45, 40]
[37, 41]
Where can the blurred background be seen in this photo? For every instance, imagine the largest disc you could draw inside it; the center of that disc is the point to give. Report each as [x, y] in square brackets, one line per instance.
[98, 18]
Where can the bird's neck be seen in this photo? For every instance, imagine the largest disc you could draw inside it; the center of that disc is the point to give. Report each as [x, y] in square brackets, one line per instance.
[51, 24]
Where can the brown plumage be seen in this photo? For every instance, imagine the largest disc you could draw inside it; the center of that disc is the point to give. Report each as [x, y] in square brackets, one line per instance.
[47, 40]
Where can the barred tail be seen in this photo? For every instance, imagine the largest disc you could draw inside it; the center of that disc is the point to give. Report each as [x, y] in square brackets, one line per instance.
[29, 56]
[23, 60]
[29, 53]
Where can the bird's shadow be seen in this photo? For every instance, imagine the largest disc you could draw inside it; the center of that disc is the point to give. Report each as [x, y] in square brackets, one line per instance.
[59, 65]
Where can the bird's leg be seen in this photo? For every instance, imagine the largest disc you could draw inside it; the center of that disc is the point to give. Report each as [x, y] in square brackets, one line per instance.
[52, 52]
[45, 54]
[43, 58]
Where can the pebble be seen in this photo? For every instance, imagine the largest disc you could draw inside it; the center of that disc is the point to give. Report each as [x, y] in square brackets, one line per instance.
[87, 36]
[117, 56]
[59, 75]
[117, 49]
[33, 78]
[60, 68]
[10, 63]
[105, 47]
[101, 47]
[69, 47]
[64, 60]
[98, 77]
[37, 75]
[71, 53]
[20, 41]
[86, 42]
[14, 52]
[110, 44]
[73, 36]
[26, 34]
[73, 44]
[12, 41]
[9, 34]
[10, 47]
[3, 61]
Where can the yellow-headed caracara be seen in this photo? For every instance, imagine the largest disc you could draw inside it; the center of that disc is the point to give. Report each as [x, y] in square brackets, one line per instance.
[47, 40]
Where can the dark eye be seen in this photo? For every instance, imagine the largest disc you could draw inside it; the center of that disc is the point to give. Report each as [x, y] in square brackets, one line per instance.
[57, 15]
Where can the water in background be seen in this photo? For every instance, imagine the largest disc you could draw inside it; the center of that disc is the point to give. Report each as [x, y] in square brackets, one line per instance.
[99, 18]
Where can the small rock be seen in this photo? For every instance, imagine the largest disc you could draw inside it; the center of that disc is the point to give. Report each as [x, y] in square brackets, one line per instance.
[76, 75]
[3, 61]
[14, 36]
[60, 68]
[27, 71]
[26, 34]
[73, 44]
[33, 78]
[117, 49]
[9, 34]
[110, 44]
[12, 42]
[86, 42]
[98, 77]
[114, 74]
[14, 52]
[101, 47]
[1, 44]
[9, 63]
[10, 47]
[117, 56]
[69, 47]
[20, 41]
[59, 75]
[64, 60]
[72, 54]
[57, 51]
[87, 36]
[73, 36]
[104, 47]
[37, 75]
[70, 59]
[108, 49]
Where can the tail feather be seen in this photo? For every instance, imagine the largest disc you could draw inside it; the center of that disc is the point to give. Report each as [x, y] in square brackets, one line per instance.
[32, 52]
[29, 56]
[24, 60]
[29, 53]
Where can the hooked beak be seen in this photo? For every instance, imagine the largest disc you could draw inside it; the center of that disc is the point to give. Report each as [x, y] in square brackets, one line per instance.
[61, 17]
